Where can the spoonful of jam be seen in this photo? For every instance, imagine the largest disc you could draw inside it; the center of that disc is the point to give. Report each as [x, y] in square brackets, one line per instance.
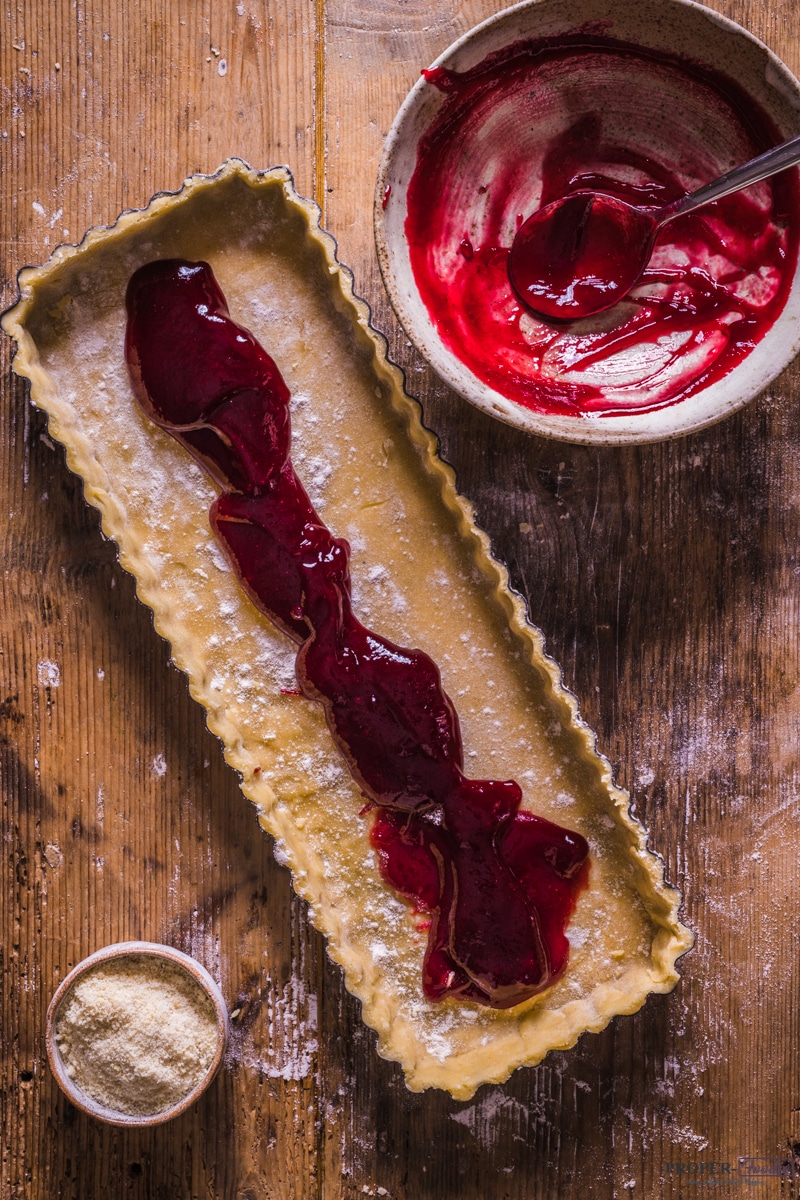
[581, 254]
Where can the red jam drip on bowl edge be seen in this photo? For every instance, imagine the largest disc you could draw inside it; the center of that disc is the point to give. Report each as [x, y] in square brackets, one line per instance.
[541, 120]
[499, 883]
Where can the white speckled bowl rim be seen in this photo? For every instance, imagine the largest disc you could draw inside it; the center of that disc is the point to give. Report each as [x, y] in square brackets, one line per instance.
[119, 951]
[680, 26]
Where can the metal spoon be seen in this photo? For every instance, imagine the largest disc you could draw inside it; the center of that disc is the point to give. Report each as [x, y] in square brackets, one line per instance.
[579, 255]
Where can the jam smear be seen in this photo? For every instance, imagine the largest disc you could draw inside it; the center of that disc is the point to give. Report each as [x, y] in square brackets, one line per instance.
[499, 884]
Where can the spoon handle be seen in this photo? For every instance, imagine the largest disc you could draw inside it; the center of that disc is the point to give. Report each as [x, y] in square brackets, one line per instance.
[787, 154]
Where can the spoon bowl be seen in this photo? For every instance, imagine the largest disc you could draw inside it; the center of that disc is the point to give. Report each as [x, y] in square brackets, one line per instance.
[579, 255]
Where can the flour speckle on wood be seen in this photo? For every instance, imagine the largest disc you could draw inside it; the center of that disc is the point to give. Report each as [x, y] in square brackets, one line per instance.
[282, 1043]
[48, 674]
[495, 1118]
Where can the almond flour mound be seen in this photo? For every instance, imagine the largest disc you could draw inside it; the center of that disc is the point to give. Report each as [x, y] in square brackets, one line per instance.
[136, 1036]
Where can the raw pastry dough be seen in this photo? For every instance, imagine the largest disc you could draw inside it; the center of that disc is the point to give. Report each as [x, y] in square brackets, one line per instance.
[372, 472]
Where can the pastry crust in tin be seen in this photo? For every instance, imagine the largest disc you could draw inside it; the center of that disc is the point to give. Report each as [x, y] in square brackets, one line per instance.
[423, 575]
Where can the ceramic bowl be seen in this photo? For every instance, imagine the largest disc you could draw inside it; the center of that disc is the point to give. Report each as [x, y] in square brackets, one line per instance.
[118, 953]
[677, 27]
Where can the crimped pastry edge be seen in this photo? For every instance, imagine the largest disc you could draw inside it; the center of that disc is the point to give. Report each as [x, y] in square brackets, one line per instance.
[461, 1073]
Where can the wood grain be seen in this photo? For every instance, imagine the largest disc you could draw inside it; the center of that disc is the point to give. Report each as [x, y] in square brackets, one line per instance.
[665, 578]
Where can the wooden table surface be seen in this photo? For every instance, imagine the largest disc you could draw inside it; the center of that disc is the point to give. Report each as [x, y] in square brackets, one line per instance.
[666, 580]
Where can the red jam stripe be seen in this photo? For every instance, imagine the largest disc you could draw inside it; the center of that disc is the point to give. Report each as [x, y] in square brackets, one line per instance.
[500, 884]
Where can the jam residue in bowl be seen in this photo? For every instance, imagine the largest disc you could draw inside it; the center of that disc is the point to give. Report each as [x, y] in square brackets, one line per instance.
[546, 118]
[498, 882]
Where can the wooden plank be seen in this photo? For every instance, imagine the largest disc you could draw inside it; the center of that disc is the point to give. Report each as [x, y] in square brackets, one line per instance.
[660, 578]
[120, 818]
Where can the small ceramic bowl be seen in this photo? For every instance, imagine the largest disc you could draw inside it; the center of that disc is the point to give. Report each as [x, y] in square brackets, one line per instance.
[670, 27]
[119, 953]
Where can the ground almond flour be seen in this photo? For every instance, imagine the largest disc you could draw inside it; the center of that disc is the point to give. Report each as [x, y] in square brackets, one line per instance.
[136, 1036]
